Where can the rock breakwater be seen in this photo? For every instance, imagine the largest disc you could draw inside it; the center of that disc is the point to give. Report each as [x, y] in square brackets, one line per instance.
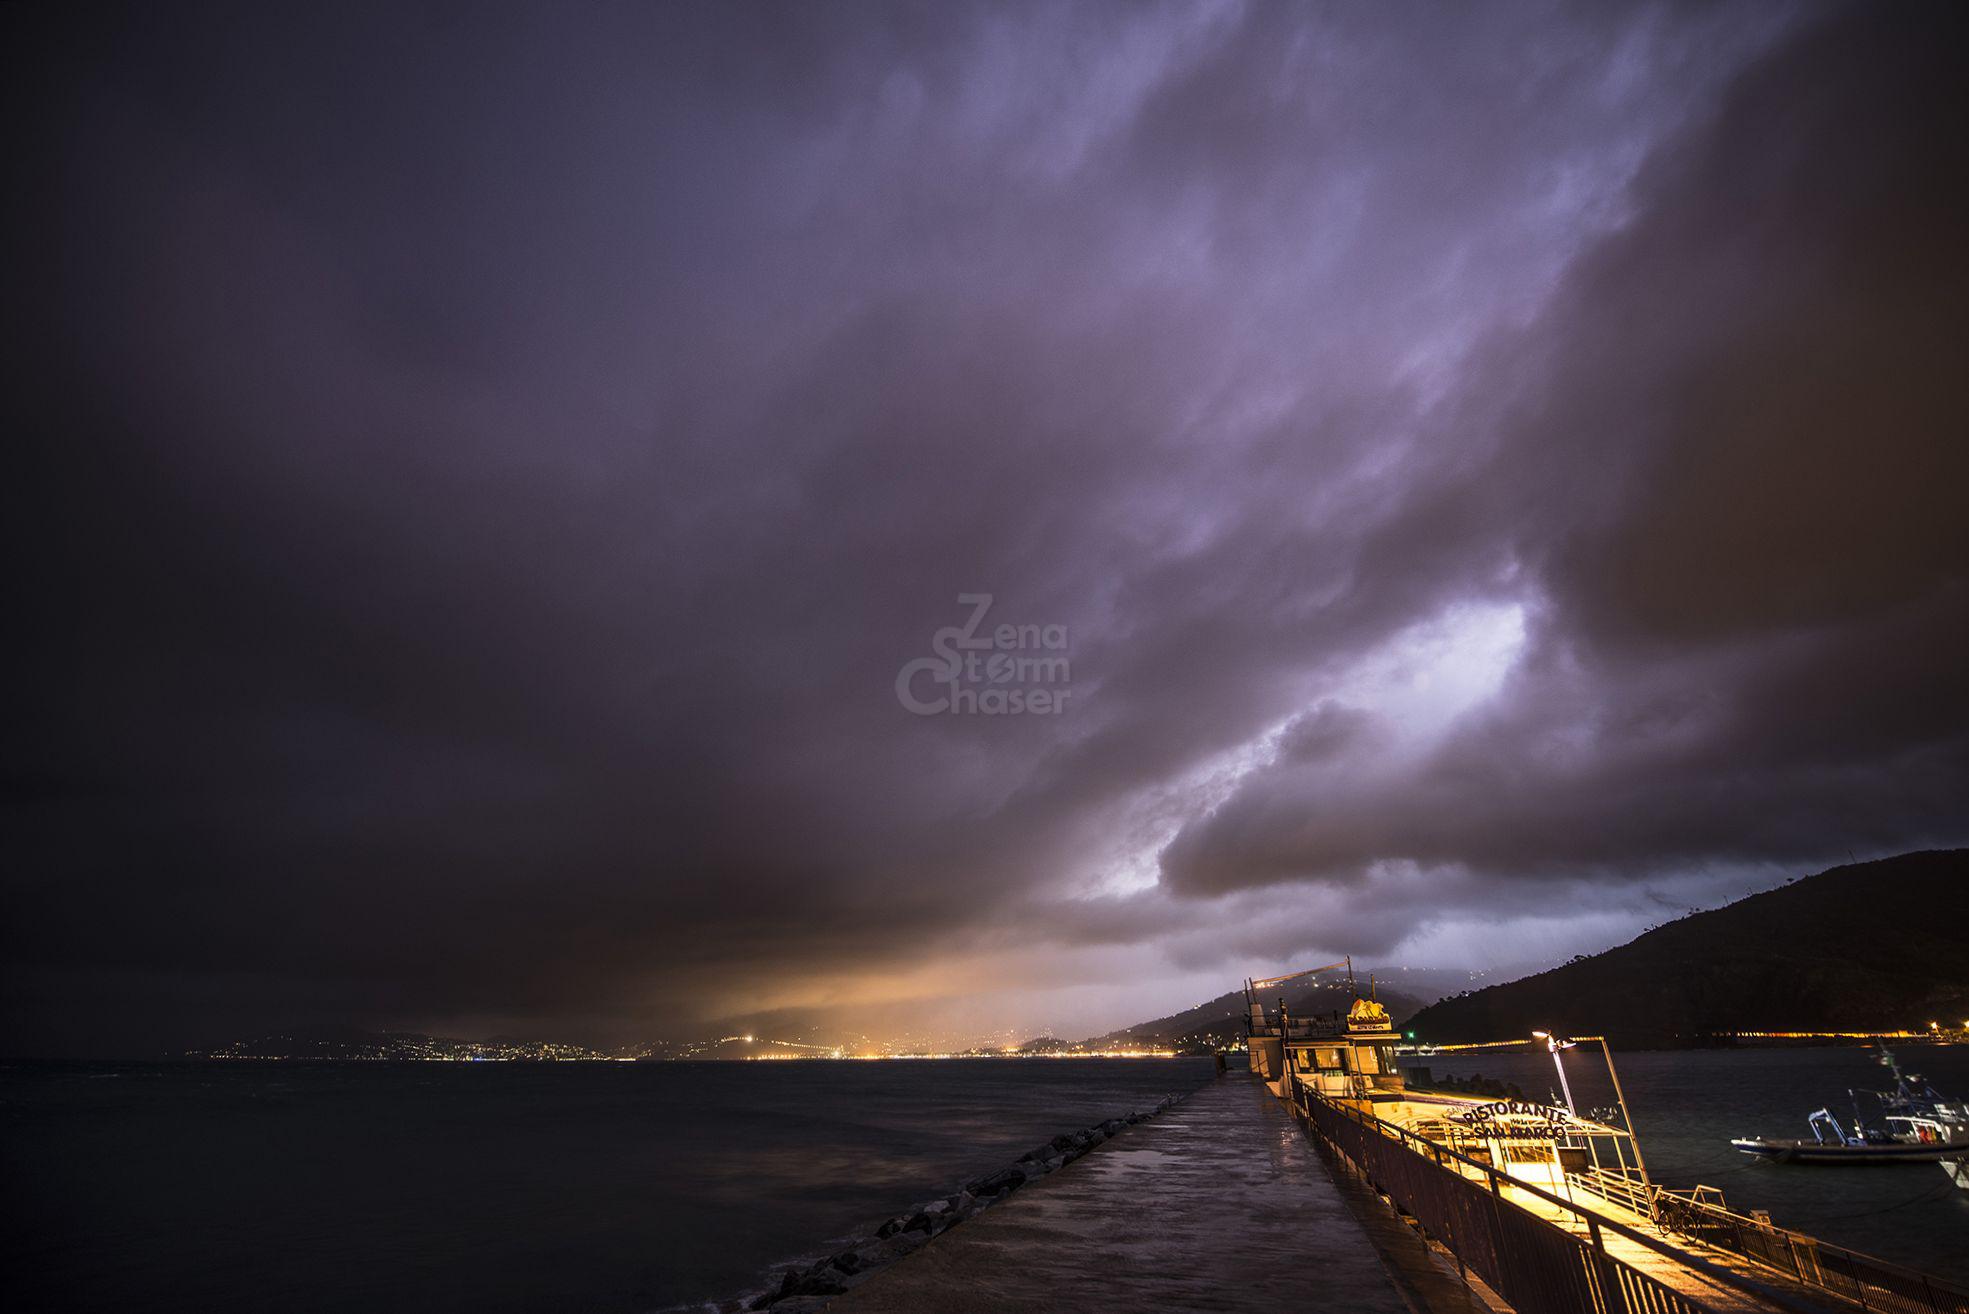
[802, 1289]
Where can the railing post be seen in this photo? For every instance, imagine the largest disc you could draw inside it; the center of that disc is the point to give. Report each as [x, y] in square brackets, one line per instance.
[1611, 1298]
[1497, 1245]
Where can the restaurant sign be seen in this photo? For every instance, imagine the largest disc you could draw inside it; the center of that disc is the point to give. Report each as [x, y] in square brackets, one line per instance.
[1514, 1119]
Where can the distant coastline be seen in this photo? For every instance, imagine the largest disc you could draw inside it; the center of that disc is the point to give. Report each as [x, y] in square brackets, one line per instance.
[345, 1044]
[428, 1049]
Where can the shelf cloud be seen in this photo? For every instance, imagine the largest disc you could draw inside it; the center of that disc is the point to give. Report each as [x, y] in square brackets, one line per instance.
[483, 472]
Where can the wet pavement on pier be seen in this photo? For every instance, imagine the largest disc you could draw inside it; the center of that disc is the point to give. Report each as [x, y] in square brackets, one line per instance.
[1218, 1204]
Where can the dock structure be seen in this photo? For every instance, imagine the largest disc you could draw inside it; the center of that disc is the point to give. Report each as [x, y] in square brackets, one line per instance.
[1219, 1204]
[1551, 1211]
[1602, 1244]
[1318, 1181]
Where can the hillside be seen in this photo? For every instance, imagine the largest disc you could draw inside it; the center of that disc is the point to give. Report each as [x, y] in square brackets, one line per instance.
[1877, 945]
[1220, 1021]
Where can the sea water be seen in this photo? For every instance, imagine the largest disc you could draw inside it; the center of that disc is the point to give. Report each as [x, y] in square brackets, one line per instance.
[606, 1187]
[218, 1187]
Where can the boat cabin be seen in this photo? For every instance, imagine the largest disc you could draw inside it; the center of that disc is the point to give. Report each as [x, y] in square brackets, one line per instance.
[1351, 1059]
[1346, 1059]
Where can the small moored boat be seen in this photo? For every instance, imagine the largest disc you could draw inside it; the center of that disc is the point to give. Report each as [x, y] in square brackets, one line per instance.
[1913, 1123]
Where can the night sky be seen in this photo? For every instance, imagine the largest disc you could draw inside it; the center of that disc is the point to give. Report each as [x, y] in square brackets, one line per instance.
[480, 477]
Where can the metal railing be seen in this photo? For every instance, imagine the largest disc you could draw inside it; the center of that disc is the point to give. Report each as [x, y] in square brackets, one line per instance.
[1623, 1189]
[1537, 1266]
[1872, 1284]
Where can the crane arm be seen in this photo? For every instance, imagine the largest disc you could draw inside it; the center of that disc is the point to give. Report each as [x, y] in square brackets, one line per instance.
[1271, 981]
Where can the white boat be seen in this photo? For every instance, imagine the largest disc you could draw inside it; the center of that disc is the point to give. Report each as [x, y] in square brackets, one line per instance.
[1914, 1123]
[1902, 1141]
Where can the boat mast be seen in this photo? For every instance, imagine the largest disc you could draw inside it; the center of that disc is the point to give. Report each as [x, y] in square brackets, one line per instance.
[1633, 1137]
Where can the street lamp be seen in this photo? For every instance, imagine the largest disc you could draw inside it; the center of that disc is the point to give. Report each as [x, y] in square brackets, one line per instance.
[1555, 1044]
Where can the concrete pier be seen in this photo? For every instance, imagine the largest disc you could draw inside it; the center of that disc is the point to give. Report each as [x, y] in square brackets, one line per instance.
[1219, 1204]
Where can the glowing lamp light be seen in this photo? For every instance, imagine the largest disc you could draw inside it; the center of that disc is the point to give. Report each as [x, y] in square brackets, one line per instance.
[1555, 1043]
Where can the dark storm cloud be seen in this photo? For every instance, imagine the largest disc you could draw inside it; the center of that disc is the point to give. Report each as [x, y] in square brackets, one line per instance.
[486, 468]
[1735, 480]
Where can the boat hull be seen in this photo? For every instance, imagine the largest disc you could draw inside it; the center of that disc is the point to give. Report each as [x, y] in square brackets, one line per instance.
[1814, 1153]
